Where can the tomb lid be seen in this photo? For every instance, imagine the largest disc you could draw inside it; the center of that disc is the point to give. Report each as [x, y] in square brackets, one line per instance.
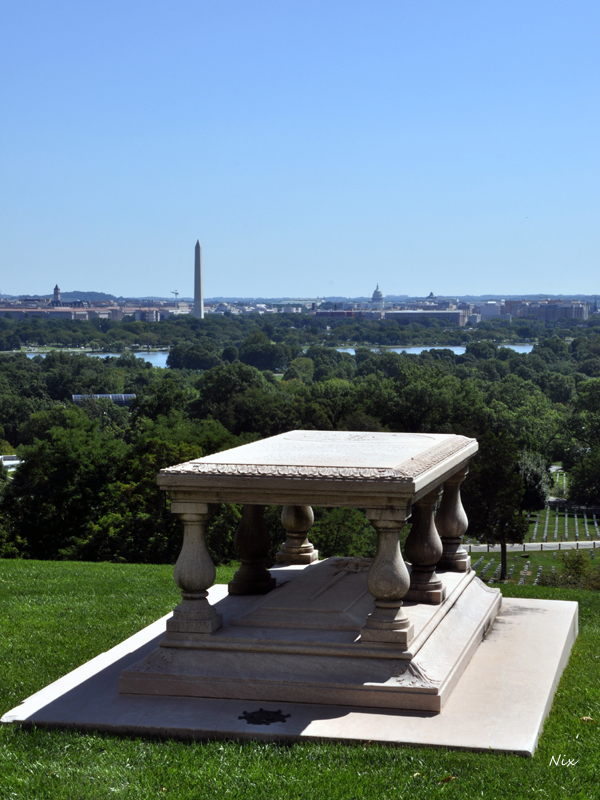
[347, 456]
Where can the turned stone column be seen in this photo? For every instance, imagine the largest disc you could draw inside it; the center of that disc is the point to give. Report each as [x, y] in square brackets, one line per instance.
[452, 523]
[194, 574]
[297, 521]
[388, 582]
[252, 542]
[423, 550]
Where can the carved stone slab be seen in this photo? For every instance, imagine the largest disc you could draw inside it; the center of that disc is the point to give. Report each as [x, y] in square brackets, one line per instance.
[332, 595]
[302, 466]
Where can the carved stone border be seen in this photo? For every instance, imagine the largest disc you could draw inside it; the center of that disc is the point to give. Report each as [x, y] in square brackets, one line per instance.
[406, 471]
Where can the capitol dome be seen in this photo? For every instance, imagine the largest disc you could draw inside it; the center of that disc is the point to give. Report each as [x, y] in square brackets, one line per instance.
[377, 296]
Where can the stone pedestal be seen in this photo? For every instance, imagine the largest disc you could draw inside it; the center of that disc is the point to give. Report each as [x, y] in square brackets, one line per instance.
[452, 523]
[194, 574]
[252, 542]
[423, 550]
[297, 521]
[388, 581]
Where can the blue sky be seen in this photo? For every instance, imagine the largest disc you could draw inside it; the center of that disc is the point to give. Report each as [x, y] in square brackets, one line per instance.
[315, 148]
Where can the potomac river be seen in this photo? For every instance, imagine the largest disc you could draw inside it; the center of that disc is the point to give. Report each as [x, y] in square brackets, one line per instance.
[159, 358]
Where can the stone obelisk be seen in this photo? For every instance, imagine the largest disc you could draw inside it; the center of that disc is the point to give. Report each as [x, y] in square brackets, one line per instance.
[198, 290]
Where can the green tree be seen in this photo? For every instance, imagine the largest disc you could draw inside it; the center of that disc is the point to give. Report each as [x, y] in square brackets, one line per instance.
[301, 369]
[258, 351]
[343, 532]
[536, 480]
[584, 479]
[230, 354]
[493, 495]
[165, 394]
[54, 493]
[204, 354]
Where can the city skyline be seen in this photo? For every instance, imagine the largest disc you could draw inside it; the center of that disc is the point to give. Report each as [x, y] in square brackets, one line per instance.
[99, 295]
[307, 145]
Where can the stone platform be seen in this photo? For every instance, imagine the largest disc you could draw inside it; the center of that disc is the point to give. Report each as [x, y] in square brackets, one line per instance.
[302, 643]
[499, 704]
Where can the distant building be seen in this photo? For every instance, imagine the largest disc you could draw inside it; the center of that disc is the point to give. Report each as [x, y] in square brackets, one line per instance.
[37, 313]
[56, 300]
[493, 308]
[562, 310]
[377, 298]
[147, 315]
[340, 313]
[117, 399]
[198, 285]
[548, 310]
[459, 317]
[10, 462]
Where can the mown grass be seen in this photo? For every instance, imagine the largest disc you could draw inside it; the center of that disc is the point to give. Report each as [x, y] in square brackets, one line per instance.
[54, 616]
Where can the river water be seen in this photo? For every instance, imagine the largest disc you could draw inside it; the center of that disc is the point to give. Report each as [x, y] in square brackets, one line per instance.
[159, 359]
[457, 350]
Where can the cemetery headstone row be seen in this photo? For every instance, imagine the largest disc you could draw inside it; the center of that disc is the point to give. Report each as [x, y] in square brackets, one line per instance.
[524, 574]
[535, 527]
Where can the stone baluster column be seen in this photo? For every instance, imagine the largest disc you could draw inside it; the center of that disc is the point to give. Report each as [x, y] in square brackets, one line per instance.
[452, 523]
[297, 521]
[388, 582]
[252, 542]
[423, 550]
[194, 574]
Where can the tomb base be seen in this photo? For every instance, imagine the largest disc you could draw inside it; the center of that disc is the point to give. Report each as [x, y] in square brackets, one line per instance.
[302, 643]
[499, 705]
[460, 562]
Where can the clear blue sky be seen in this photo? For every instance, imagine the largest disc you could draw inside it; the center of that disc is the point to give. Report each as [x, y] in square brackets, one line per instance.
[315, 148]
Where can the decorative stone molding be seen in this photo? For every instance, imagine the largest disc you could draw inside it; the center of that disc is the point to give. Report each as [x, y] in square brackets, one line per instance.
[407, 470]
[412, 674]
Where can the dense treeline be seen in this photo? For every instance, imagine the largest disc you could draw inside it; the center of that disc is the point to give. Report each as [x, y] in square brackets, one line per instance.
[86, 487]
[292, 330]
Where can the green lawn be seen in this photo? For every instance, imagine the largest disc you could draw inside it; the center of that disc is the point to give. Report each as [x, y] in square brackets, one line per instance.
[54, 616]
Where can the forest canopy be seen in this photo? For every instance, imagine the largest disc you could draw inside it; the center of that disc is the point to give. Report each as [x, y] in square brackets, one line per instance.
[86, 487]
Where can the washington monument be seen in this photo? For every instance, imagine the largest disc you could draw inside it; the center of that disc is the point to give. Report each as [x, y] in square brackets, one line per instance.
[198, 291]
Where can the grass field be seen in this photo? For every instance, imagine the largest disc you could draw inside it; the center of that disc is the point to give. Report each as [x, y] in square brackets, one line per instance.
[54, 616]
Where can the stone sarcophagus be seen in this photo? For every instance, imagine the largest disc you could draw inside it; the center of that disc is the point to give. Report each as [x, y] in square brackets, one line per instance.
[377, 632]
